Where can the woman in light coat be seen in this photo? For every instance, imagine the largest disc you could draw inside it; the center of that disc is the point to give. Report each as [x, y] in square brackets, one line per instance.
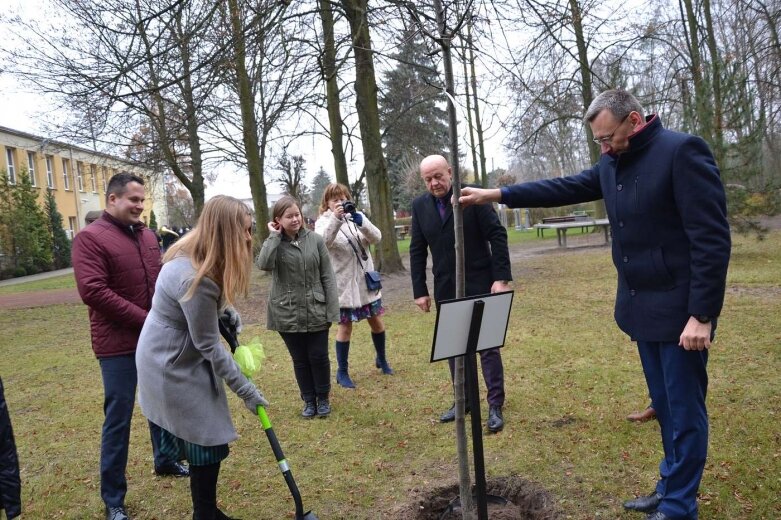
[348, 236]
[303, 301]
[182, 365]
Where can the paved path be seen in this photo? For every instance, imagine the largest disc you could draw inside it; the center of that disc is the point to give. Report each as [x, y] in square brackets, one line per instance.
[39, 298]
[396, 287]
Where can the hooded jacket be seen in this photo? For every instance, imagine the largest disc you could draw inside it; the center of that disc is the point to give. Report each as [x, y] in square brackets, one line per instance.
[303, 288]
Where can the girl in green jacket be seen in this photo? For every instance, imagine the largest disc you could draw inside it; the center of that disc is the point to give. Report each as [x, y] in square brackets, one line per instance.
[304, 301]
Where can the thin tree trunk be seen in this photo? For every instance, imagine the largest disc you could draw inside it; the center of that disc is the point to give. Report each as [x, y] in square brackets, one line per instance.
[469, 116]
[380, 198]
[332, 93]
[478, 122]
[702, 101]
[196, 159]
[249, 124]
[718, 109]
[464, 476]
[587, 91]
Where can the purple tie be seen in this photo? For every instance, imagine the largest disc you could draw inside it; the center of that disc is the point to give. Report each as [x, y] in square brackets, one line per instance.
[441, 206]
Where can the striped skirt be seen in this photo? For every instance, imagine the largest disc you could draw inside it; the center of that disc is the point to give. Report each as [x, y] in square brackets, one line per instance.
[197, 455]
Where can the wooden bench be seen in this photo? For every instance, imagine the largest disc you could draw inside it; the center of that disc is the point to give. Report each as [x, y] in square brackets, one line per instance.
[561, 228]
[401, 232]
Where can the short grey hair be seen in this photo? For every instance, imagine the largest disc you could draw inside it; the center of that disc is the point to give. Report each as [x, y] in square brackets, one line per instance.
[619, 102]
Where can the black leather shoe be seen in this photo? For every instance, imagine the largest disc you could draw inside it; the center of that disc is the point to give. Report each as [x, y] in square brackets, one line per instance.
[450, 415]
[644, 504]
[219, 515]
[173, 469]
[310, 410]
[495, 419]
[657, 515]
[116, 513]
[323, 407]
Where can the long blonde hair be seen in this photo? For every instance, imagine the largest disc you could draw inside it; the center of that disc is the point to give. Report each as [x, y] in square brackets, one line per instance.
[218, 248]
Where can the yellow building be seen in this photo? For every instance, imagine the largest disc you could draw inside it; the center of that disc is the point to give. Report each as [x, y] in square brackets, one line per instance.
[77, 176]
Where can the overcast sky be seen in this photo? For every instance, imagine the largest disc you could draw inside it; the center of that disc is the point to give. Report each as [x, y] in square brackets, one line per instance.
[22, 109]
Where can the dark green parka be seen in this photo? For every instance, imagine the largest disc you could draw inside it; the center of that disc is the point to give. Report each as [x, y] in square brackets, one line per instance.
[303, 289]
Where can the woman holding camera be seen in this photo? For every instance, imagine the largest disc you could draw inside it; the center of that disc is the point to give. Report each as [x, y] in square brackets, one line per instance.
[348, 234]
[303, 301]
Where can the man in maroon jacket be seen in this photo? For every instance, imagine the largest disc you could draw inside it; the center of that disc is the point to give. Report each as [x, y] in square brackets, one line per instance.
[116, 260]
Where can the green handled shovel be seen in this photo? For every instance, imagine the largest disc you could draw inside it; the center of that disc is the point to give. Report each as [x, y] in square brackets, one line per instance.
[284, 467]
[229, 333]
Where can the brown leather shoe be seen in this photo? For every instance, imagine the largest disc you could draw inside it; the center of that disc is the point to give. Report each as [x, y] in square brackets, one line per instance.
[646, 415]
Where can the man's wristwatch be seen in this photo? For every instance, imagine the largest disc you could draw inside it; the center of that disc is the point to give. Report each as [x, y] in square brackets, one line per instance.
[702, 318]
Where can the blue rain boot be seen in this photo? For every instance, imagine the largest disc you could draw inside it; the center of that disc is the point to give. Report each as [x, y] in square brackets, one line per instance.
[342, 376]
[380, 361]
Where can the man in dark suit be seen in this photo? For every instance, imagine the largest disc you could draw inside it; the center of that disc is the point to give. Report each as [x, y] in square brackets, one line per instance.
[671, 247]
[487, 264]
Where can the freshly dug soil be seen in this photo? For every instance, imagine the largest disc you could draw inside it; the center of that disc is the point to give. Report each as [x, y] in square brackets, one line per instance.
[526, 501]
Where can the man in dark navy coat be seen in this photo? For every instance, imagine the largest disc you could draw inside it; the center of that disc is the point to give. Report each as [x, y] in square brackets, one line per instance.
[486, 264]
[671, 246]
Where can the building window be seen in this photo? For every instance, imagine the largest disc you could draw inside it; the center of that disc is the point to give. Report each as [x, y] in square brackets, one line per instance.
[50, 171]
[11, 167]
[79, 177]
[31, 168]
[93, 177]
[66, 184]
[72, 227]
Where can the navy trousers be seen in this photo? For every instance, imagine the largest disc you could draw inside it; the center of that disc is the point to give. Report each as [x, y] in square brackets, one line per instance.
[493, 374]
[678, 382]
[119, 395]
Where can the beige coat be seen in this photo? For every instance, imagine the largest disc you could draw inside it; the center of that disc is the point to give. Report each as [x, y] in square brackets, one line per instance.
[350, 281]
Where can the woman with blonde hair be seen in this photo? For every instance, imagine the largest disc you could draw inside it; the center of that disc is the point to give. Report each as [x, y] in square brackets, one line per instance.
[303, 301]
[182, 365]
[348, 234]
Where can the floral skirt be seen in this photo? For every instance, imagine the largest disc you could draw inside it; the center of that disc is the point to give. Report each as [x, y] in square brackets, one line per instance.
[197, 455]
[369, 310]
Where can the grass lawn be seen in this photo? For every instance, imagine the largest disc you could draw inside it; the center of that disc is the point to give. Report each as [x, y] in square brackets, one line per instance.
[571, 377]
[58, 282]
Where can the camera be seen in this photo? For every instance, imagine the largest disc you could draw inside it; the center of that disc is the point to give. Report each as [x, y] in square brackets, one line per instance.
[348, 206]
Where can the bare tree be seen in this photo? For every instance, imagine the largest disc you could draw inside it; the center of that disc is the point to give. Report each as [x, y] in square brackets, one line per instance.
[268, 86]
[292, 170]
[356, 11]
[329, 69]
[126, 64]
[449, 21]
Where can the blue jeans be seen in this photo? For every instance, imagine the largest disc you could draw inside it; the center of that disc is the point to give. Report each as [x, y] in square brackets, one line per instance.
[119, 395]
[678, 382]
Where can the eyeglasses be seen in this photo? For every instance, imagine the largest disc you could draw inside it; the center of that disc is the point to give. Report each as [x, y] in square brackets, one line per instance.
[604, 140]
